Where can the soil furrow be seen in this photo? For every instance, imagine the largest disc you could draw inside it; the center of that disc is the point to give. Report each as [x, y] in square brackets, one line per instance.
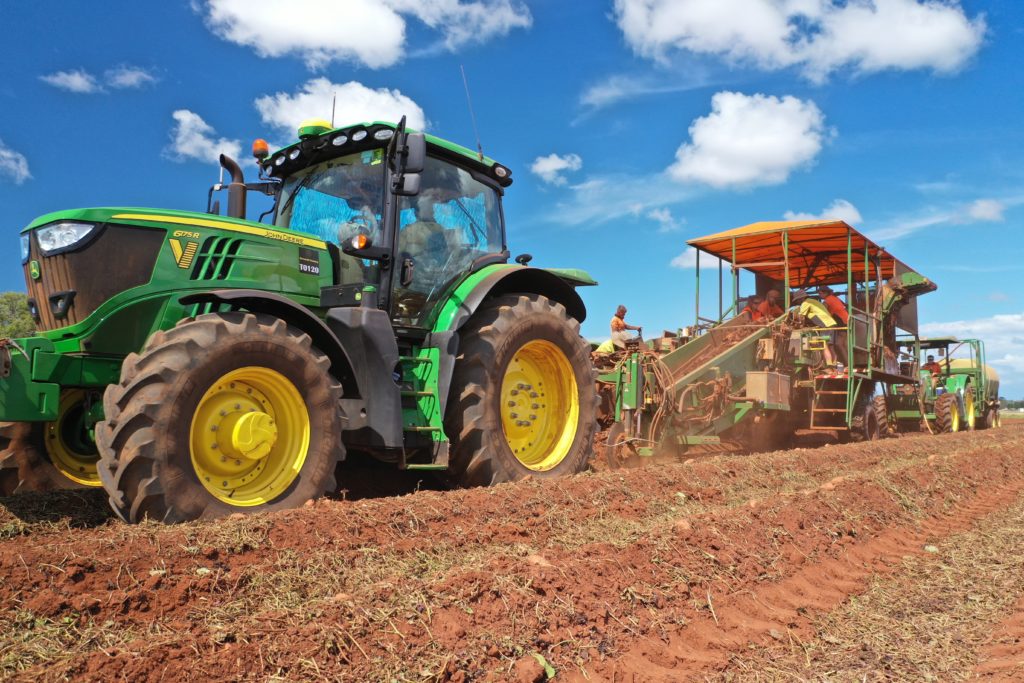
[663, 573]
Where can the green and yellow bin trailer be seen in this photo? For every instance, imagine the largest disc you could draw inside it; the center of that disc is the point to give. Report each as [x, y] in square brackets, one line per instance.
[962, 395]
[196, 364]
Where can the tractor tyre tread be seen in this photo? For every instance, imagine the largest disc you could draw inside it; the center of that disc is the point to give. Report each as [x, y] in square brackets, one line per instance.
[881, 408]
[945, 404]
[25, 465]
[142, 417]
[479, 453]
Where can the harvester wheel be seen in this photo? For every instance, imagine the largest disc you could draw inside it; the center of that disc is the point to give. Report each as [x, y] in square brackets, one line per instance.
[26, 465]
[865, 425]
[227, 412]
[947, 413]
[881, 408]
[522, 401]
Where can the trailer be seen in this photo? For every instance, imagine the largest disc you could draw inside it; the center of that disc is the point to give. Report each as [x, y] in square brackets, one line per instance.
[733, 382]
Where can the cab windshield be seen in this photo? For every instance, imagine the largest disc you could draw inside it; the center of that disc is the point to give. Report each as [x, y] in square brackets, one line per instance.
[337, 199]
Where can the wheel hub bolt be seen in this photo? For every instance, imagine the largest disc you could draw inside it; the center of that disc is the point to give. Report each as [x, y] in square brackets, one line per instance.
[533, 394]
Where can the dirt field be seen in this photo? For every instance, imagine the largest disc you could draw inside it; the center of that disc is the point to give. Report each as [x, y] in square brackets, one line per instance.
[899, 559]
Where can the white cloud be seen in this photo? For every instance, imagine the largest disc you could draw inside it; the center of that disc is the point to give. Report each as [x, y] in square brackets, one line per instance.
[1004, 344]
[687, 260]
[126, 76]
[817, 36]
[194, 138]
[605, 198]
[985, 210]
[13, 165]
[840, 210]
[551, 169]
[665, 220]
[370, 32]
[619, 87]
[355, 103]
[75, 80]
[977, 211]
[750, 140]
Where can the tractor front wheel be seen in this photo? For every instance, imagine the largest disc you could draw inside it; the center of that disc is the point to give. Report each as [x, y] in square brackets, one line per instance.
[227, 412]
[522, 401]
[47, 456]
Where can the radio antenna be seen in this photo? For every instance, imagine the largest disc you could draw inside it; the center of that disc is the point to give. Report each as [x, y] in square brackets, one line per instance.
[472, 116]
[334, 102]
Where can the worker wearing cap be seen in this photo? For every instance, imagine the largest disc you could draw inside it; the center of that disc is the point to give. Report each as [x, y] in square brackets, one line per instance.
[832, 302]
[931, 366]
[770, 308]
[817, 315]
[619, 327]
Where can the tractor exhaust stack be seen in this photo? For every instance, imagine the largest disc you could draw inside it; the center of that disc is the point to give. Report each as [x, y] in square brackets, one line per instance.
[236, 190]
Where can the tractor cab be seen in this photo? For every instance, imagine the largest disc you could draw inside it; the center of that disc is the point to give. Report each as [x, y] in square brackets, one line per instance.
[405, 215]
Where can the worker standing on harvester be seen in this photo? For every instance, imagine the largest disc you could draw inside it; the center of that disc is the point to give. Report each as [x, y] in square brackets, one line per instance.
[815, 312]
[620, 327]
[770, 308]
[834, 305]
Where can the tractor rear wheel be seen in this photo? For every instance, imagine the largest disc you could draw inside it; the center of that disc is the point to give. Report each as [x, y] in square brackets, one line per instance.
[522, 401]
[947, 413]
[227, 412]
[968, 417]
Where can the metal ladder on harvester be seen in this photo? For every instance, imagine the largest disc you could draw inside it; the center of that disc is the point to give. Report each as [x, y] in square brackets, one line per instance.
[828, 409]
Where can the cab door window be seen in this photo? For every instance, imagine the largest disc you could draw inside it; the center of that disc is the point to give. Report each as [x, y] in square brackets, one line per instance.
[453, 221]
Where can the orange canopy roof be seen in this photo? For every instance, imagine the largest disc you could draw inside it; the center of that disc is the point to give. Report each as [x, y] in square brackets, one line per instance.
[817, 251]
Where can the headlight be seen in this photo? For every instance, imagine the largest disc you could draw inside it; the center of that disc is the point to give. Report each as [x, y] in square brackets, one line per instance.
[62, 235]
[26, 240]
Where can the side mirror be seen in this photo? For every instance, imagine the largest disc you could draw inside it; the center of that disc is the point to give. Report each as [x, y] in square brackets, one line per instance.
[407, 185]
[415, 153]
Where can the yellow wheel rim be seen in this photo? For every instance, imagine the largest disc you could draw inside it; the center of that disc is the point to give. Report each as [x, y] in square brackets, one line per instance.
[954, 417]
[249, 436]
[969, 409]
[68, 443]
[540, 405]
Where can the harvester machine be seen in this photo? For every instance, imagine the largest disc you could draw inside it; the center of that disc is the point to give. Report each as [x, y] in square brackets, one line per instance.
[745, 381]
[195, 365]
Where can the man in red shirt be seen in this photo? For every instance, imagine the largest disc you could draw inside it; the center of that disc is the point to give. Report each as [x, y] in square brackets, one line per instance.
[770, 308]
[832, 302]
[753, 307]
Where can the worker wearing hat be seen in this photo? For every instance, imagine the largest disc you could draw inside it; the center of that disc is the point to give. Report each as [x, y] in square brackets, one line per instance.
[815, 313]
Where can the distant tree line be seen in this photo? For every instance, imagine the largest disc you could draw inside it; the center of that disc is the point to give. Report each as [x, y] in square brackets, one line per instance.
[15, 320]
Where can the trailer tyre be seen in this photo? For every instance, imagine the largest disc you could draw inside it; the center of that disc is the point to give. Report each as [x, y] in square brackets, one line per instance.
[522, 401]
[947, 413]
[225, 413]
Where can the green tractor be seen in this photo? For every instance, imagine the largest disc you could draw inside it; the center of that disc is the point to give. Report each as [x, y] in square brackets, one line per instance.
[195, 365]
[957, 392]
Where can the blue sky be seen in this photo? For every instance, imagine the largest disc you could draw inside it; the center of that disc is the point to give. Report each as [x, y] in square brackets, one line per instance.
[630, 125]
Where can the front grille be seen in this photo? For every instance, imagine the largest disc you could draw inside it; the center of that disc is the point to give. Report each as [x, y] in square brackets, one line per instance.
[73, 284]
[216, 258]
